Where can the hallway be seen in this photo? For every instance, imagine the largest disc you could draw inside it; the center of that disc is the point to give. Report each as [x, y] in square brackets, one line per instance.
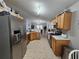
[39, 49]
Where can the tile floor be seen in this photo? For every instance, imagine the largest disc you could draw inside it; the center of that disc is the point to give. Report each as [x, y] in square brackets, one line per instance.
[39, 49]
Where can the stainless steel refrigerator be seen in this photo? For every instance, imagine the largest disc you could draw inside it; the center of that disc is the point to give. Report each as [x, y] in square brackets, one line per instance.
[5, 37]
[10, 46]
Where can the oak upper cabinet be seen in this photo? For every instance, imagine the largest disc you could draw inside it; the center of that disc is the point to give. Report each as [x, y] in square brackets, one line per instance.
[65, 21]
[58, 21]
[54, 21]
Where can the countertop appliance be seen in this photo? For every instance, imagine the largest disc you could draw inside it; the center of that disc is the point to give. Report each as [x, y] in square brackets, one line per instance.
[17, 36]
[57, 32]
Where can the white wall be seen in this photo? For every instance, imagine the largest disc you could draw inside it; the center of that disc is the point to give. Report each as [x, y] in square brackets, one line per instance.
[35, 22]
[17, 25]
[28, 24]
[74, 33]
[50, 26]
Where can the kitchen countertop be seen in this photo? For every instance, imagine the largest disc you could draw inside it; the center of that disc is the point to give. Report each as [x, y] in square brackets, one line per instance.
[60, 37]
[27, 33]
[30, 32]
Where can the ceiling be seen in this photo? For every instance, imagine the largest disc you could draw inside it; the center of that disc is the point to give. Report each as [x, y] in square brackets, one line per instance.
[42, 9]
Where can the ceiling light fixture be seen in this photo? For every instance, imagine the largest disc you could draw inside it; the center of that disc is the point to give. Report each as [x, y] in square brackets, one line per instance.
[39, 8]
[39, 21]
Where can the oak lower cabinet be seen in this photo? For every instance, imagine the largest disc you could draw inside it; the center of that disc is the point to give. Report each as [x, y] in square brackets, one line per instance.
[23, 47]
[57, 45]
[34, 36]
[28, 38]
[19, 50]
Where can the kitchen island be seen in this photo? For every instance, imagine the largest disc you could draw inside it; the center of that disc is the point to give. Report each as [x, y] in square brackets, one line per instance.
[34, 36]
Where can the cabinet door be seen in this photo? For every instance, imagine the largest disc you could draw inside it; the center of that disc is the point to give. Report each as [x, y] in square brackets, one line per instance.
[67, 21]
[58, 48]
[53, 44]
[24, 46]
[27, 38]
[17, 53]
[59, 21]
[62, 21]
[33, 35]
